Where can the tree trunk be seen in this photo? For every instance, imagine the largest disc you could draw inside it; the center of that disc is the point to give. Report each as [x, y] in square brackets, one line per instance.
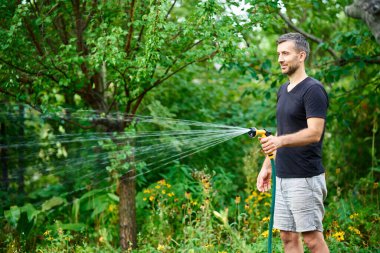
[3, 155]
[127, 210]
[21, 161]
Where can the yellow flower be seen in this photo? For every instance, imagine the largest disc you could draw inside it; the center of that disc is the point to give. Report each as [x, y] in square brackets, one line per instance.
[265, 233]
[339, 236]
[163, 191]
[160, 247]
[146, 191]
[353, 216]
[337, 171]
[158, 187]
[151, 198]
[355, 230]
[237, 199]
[162, 182]
[47, 232]
[187, 195]
[171, 194]
[144, 199]
[112, 207]
[265, 219]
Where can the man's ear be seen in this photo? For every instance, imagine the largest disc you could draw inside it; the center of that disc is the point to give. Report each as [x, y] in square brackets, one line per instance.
[302, 55]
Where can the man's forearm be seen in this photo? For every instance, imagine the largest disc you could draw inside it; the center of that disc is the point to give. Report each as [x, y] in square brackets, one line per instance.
[300, 138]
[266, 164]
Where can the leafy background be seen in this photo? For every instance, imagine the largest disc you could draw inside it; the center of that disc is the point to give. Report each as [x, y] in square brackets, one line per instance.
[63, 63]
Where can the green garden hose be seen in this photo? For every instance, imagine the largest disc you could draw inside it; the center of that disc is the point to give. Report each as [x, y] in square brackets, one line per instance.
[253, 133]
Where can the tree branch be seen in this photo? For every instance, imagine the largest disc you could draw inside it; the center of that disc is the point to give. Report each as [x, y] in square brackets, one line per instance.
[33, 37]
[159, 81]
[170, 10]
[130, 29]
[308, 35]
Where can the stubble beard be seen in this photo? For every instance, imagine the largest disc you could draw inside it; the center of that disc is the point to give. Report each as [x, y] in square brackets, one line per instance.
[291, 70]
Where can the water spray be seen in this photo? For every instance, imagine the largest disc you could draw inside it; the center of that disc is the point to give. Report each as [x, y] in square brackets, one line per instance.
[253, 132]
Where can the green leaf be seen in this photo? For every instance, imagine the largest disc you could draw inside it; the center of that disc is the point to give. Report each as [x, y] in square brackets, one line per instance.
[113, 197]
[13, 215]
[53, 202]
[30, 211]
[78, 227]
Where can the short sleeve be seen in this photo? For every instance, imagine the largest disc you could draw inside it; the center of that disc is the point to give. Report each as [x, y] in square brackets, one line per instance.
[316, 102]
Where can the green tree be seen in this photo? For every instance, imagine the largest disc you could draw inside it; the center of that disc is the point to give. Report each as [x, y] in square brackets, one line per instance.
[107, 56]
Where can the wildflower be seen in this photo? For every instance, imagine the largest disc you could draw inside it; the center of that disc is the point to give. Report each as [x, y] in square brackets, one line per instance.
[276, 230]
[163, 191]
[112, 207]
[355, 230]
[47, 232]
[160, 247]
[337, 171]
[353, 216]
[158, 187]
[101, 239]
[147, 191]
[194, 203]
[267, 204]
[237, 199]
[246, 207]
[265, 219]
[144, 199]
[339, 236]
[375, 185]
[151, 198]
[162, 182]
[170, 194]
[60, 231]
[265, 233]
[187, 195]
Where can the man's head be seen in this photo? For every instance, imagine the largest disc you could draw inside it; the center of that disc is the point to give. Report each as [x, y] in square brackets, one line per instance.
[293, 50]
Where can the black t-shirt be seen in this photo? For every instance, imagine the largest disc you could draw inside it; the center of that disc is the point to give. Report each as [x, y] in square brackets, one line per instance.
[307, 99]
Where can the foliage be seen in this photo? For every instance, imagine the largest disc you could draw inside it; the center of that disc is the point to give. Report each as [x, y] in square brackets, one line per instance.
[77, 68]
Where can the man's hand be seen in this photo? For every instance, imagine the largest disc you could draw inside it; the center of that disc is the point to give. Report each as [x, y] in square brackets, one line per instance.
[270, 144]
[263, 180]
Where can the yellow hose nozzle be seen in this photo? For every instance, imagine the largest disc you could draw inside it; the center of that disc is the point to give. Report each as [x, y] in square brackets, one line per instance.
[253, 132]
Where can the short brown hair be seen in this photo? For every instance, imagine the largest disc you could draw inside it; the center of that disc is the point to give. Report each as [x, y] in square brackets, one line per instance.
[299, 40]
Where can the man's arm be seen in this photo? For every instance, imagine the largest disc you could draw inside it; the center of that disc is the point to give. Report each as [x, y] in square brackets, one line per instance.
[263, 179]
[311, 134]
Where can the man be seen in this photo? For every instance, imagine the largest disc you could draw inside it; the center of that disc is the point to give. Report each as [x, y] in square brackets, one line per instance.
[301, 188]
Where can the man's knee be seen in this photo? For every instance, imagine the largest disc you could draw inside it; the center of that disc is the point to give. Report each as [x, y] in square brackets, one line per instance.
[289, 237]
[313, 239]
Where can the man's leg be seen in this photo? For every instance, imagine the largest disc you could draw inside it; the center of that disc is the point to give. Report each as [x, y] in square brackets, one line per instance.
[315, 242]
[292, 242]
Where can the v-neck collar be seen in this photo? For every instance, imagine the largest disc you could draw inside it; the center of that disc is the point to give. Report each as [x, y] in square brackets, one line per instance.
[295, 87]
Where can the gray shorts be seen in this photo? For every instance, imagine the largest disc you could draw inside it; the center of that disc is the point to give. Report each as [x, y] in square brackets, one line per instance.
[299, 203]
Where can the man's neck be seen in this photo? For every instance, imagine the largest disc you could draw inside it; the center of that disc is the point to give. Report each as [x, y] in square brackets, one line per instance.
[296, 78]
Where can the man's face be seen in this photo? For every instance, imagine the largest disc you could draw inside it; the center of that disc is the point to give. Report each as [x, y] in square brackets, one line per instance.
[288, 57]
